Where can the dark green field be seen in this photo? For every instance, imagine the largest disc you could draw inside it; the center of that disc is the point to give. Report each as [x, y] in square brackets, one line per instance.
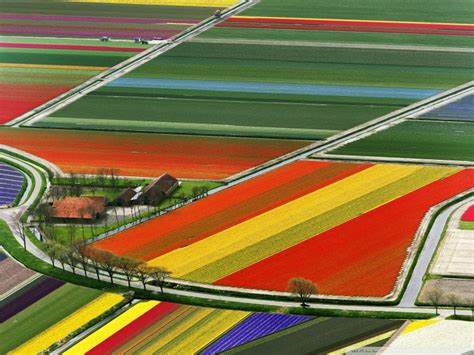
[216, 117]
[319, 336]
[418, 139]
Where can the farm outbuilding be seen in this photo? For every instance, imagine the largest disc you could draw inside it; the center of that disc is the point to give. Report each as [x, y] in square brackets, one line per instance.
[76, 209]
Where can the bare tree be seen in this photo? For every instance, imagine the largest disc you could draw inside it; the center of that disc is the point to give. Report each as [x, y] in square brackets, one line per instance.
[51, 250]
[19, 228]
[92, 254]
[159, 275]
[71, 258]
[107, 262]
[71, 231]
[143, 274]
[303, 289]
[435, 295]
[128, 266]
[454, 301]
[62, 255]
[81, 256]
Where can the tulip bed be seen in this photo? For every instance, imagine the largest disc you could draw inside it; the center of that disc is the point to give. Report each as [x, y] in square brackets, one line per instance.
[147, 155]
[231, 237]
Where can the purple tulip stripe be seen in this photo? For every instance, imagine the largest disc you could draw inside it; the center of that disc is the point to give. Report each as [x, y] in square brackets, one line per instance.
[256, 326]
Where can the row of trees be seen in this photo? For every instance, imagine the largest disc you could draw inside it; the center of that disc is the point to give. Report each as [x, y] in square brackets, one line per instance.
[104, 177]
[78, 256]
[437, 297]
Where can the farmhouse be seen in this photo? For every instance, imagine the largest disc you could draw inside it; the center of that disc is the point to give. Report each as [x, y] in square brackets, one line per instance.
[76, 209]
[158, 190]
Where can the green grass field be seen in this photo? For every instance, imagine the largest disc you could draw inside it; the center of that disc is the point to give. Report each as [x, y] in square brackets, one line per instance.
[418, 139]
[63, 234]
[43, 314]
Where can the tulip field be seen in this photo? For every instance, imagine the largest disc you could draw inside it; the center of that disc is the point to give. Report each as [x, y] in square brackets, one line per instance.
[120, 19]
[34, 71]
[148, 155]
[232, 82]
[172, 170]
[261, 227]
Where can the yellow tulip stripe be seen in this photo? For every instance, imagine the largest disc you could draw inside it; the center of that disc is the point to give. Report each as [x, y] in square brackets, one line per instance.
[197, 3]
[111, 328]
[418, 324]
[192, 330]
[76, 320]
[264, 235]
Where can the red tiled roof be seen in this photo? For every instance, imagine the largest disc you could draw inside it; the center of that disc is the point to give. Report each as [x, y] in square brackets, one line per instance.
[79, 207]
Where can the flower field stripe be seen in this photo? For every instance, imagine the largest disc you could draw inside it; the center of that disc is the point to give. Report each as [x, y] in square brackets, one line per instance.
[176, 327]
[317, 223]
[28, 296]
[87, 33]
[69, 324]
[265, 226]
[227, 208]
[361, 257]
[50, 66]
[202, 332]
[254, 327]
[275, 88]
[148, 336]
[350, 29]
[93, 19]
[139, 154]
[468, 216]
[345, 22]
[69, 47]
[133, 329]
[111, 328]
[197, 3]
[415, 325]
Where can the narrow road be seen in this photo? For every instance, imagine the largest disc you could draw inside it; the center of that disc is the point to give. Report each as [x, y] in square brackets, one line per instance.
[429, 249]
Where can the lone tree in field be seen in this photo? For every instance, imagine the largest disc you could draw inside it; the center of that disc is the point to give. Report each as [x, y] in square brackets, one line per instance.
[303, 289]
[454, 301]
[159, 275]
[435, 295]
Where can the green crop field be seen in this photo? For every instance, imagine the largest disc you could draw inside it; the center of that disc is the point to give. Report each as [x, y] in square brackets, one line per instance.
[418, 139]
[43, 314]
[304, 121]
[393, 10]
[261, 114]
[422, 11]
[278, 36]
